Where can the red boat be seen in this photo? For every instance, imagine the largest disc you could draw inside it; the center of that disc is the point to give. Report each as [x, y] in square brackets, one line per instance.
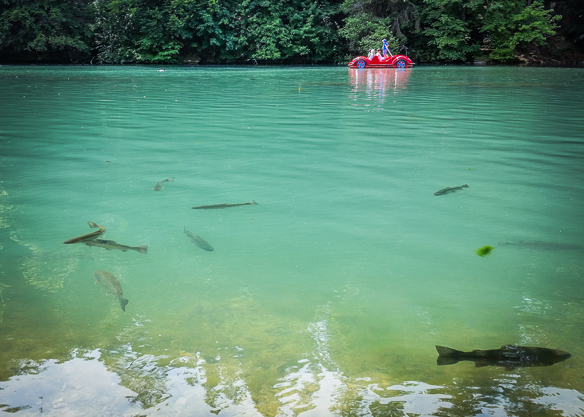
[392, 61]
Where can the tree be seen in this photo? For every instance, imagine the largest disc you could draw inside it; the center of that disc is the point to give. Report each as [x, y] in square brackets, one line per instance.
[365, 32]
[206, 28]
[370, 21]
[114, 31]
[451, 29]
[285, 30]
[514, 27]
[34, 29]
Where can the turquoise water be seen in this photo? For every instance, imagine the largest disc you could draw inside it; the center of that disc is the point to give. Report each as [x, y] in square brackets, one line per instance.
[328, 296]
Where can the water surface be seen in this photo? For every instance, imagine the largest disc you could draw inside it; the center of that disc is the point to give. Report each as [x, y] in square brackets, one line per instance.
[329, 295]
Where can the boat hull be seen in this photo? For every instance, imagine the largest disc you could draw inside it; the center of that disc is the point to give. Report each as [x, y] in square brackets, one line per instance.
[394, 61]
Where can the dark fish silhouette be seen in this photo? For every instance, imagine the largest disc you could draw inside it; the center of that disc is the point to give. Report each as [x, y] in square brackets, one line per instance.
[159, 185]
[88, 236]
[224, 206]
[110, 244]
[509, 356]
[112, 285]
[448, 190]
[539, 245]
[198, 240]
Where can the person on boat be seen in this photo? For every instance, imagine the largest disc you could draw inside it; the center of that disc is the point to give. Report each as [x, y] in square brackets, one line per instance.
[385, 48]
[371, 54]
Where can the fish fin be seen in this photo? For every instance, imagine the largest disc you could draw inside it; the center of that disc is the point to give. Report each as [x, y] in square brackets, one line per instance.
[92, 225]
[123, 303]
[253, 202]
[143, 249]
[445, 351]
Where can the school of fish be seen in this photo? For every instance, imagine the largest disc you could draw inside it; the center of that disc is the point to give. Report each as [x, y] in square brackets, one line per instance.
[510, 356]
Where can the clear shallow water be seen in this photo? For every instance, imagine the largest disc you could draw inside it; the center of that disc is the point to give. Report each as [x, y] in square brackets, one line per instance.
[326, 298]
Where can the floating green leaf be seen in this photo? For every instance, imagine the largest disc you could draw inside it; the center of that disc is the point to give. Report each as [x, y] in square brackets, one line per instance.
[485, 250]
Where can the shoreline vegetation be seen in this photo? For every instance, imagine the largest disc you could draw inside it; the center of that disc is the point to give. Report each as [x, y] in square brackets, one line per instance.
[255, 32]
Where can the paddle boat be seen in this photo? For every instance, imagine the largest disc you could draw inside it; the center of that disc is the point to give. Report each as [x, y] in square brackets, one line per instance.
[391, 61]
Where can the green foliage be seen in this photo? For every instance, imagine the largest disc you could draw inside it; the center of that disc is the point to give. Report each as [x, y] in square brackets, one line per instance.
[216, 31]
[114, 31]
[155, 43]
[239, 31]
[55, 27]
[289, 30]
[135, 31]
[398, 14]
[206, 27]
[364, 33]
[513, 27]
[450, 29]
[368, 22]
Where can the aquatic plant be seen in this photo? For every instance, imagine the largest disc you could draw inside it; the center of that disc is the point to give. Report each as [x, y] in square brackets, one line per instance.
[485, 250]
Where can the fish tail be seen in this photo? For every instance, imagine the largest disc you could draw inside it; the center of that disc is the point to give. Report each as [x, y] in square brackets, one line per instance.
[253, 202]
[465, 185]
[123, 303]
[143, 249]
[444, 351]
[446, 360]
[447, 356]
[170, 179]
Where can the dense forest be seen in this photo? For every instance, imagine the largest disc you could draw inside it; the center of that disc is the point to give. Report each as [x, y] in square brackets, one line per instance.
[289, 31]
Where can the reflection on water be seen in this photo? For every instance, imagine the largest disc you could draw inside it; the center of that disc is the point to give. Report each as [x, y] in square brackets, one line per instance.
[79, 386]
[100, 383]
[329, 296]
[373, 87]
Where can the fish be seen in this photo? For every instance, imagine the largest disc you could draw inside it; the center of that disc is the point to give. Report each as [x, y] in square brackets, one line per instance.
[224, 206]
[112, 285]
[448, 190]
[198, 240]
[159, 186]
[88, 236]
[540, 245]
[509, 356]
[111, 244]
